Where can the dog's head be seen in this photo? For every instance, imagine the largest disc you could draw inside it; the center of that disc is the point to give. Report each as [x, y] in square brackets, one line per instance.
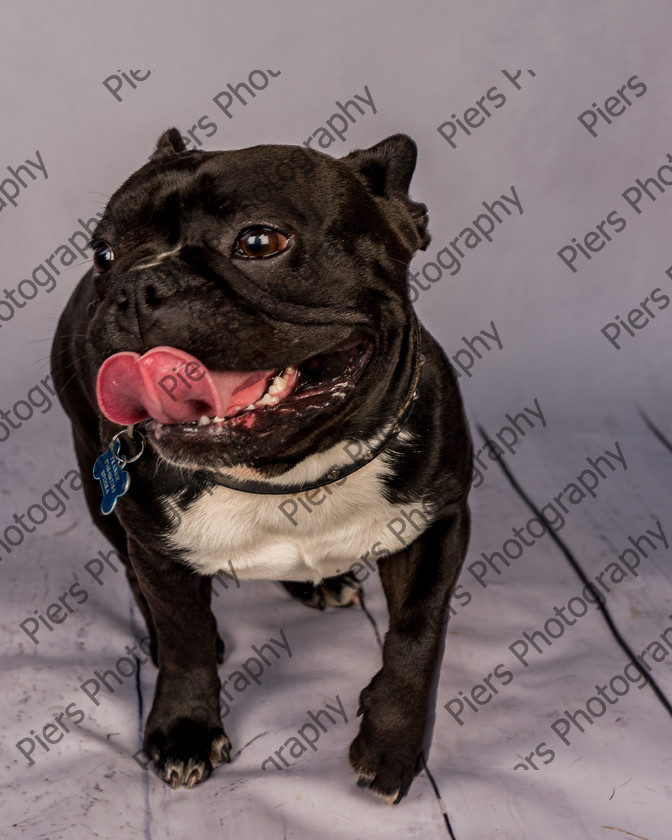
[250, 303]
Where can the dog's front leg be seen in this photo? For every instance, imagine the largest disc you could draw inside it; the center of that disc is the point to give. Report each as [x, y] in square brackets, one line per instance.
[184, 736]
[396, 704]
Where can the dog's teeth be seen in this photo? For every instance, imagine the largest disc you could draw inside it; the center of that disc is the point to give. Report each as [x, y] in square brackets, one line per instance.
[267, 399]
[204, 421]
[278, 386]
[218, 419]
[290, 370]
[249, 407]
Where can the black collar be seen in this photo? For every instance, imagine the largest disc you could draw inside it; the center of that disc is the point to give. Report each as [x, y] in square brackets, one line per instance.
[338, 473]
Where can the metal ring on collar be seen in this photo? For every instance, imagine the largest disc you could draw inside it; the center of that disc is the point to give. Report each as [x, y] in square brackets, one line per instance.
[131, 432]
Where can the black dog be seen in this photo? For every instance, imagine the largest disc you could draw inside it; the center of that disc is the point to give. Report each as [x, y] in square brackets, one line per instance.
[247, 318]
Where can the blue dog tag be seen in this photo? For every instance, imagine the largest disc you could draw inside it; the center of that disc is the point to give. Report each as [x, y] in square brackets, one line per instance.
[110, 472]
[113, 478]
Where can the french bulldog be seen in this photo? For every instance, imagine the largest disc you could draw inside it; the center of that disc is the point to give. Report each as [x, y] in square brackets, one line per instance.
[245, 336]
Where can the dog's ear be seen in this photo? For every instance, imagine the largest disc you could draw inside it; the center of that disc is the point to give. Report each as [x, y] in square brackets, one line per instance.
[387, 169]
[388, 166]
[170, 143]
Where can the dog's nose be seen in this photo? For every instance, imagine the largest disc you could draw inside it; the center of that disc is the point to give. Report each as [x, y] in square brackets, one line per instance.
[143, 292]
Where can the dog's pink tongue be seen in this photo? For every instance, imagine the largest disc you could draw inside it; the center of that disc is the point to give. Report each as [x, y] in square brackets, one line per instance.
[171, 386]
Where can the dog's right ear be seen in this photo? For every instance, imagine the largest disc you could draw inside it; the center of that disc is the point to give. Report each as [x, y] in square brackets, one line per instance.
[170, 143]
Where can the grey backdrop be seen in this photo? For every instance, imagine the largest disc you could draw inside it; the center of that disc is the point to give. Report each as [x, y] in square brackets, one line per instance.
[75, 127]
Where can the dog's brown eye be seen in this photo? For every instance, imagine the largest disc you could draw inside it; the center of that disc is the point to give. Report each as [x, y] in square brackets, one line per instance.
[260, 242]
[103, 256]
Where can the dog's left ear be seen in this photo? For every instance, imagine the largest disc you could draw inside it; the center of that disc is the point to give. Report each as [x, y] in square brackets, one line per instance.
[170, 143]
[387, 169]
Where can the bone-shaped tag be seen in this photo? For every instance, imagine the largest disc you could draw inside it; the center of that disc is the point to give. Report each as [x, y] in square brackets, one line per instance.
[113, 478]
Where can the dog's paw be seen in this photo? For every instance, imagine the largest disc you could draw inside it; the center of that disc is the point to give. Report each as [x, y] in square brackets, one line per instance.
[387, 752]
[342, 591]
[339, 591]
[384, 764]
[186, 754]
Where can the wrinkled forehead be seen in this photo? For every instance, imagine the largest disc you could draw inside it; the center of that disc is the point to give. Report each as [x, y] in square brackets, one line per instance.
[267, 179]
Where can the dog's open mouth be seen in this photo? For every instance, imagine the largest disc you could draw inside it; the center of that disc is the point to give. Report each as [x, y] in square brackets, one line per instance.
[177, 394]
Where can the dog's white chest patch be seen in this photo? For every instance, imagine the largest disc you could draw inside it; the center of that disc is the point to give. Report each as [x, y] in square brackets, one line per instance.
[306, 536]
